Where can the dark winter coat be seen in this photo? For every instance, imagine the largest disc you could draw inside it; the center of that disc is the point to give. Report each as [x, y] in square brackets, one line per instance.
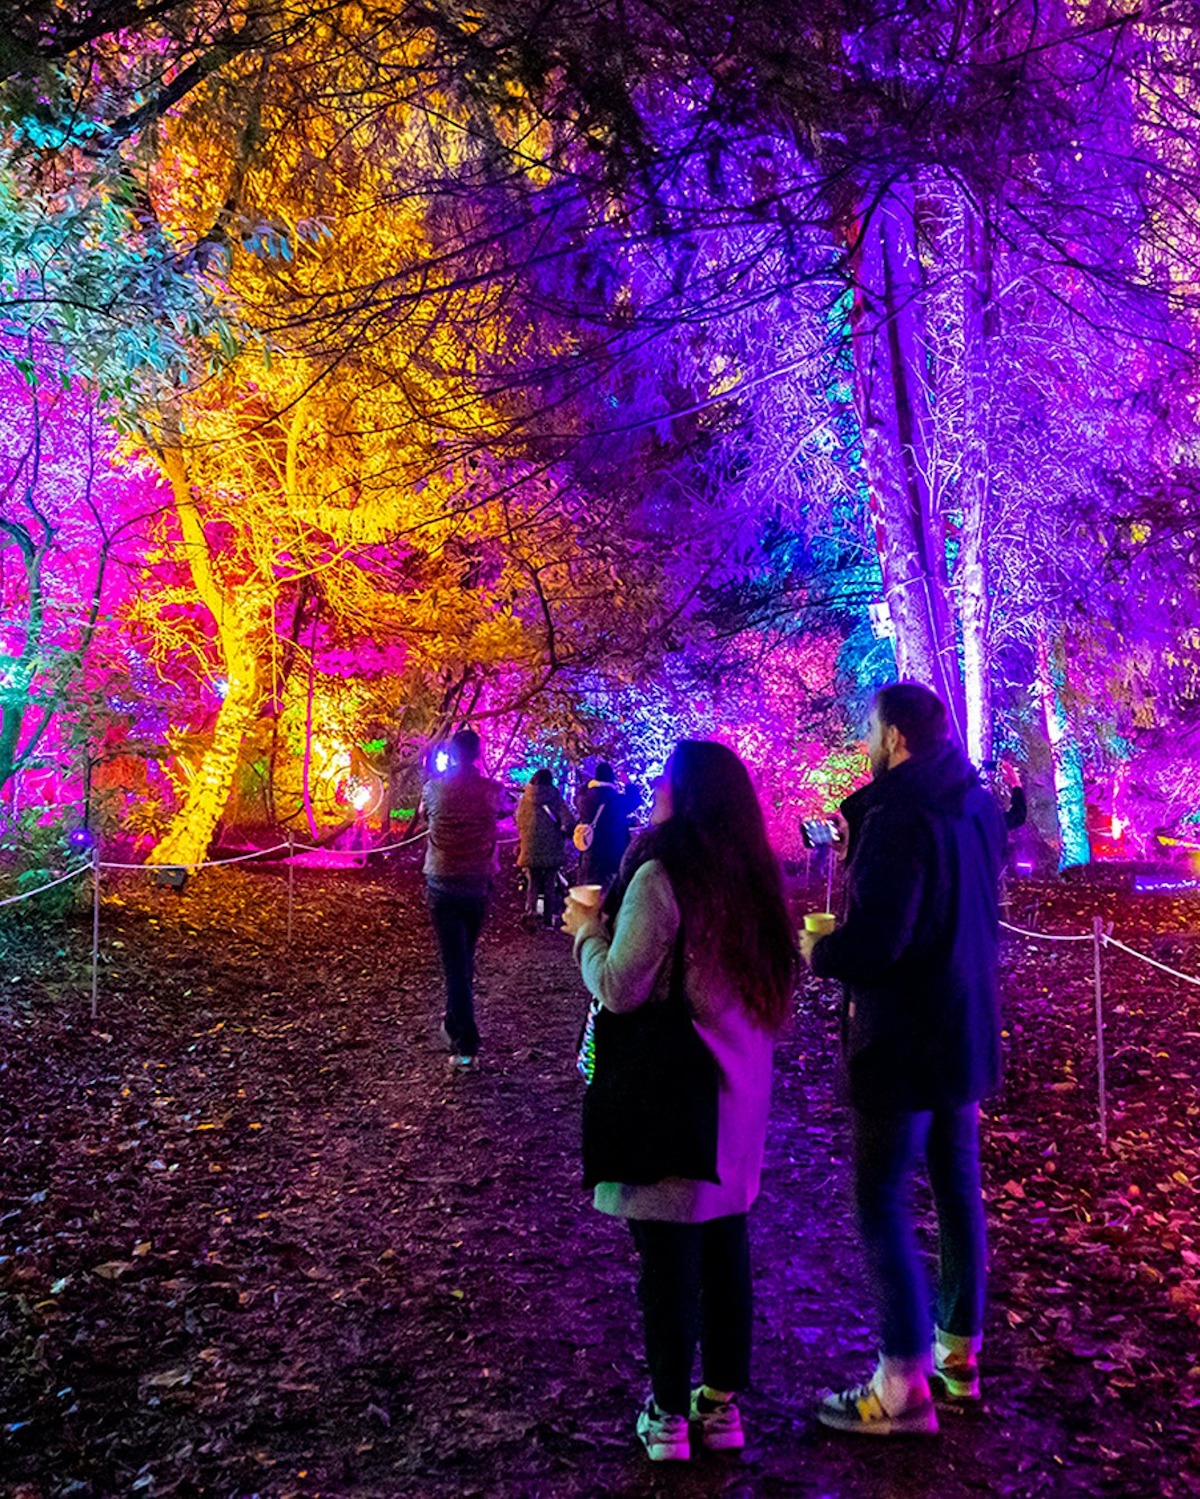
[598, 864]
[918, 947]
[542, 819]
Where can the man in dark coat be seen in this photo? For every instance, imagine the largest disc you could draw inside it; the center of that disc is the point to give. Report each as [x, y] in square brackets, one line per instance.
[921, 1038]
[603, 806]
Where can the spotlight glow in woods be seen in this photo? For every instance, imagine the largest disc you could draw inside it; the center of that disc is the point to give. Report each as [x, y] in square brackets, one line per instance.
[350, 392]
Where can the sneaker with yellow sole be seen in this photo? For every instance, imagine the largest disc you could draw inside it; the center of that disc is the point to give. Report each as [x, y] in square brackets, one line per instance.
[860, 1411]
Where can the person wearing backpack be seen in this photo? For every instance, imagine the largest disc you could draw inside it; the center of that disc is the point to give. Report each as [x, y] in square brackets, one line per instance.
[602, 830]
[696, 929]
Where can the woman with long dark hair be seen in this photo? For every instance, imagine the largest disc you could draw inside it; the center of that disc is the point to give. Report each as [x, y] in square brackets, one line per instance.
[699, 907]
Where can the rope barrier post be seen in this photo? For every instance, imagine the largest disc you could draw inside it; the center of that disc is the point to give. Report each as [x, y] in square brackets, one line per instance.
[291, 884]
[1097, 945]
[95, 930]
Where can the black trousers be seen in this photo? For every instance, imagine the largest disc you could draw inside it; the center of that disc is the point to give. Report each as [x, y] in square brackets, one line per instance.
[694, 1284]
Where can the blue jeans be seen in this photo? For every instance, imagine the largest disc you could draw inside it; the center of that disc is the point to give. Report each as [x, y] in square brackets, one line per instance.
[886, 1148]
[457, 921]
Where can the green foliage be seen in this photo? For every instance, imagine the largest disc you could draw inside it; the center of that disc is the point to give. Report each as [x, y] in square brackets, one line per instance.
[88, 274]
[34, 851]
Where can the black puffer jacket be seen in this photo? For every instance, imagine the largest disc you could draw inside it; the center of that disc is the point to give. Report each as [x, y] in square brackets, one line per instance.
[918, 947]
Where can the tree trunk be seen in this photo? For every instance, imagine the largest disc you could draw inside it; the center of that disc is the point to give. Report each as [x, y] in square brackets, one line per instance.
[190, 831]
[971, 571]
[1066, 757]
[891, 397]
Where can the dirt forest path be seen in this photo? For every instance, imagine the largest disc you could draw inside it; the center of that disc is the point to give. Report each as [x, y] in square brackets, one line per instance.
[255, 1239]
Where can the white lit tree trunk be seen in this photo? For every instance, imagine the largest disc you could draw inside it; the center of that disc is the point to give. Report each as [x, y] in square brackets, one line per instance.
[891, 398]
[971, 571]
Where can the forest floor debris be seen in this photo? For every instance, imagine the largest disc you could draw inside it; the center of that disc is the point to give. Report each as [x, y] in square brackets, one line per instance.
[255, 1238]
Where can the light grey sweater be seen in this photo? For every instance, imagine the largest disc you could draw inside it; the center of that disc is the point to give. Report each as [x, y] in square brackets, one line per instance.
[627, 971]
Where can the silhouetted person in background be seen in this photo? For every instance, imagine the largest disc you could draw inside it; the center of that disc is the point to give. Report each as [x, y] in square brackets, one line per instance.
[602, 807]
[543, 821]
[460, 866]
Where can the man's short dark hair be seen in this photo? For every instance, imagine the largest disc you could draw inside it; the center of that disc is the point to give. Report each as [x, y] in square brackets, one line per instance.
[467, 746]
[542, 777]
[919, 714]
[604, 771]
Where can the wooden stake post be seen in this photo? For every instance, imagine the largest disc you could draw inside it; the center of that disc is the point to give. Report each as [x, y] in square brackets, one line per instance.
[95, 930]
[1098, 943]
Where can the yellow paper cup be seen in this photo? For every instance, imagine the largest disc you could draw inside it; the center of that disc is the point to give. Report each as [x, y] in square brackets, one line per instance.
[820, 923]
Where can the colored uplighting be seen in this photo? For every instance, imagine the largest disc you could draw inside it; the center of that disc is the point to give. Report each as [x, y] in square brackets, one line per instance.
[298, 464]
[1165, 884]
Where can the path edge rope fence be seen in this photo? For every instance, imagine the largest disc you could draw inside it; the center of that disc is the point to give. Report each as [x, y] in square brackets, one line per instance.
[1100, 937]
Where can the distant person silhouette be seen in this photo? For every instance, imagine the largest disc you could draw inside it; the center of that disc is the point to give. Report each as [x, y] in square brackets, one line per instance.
[462, 806]
[543, 821]
[602, 808]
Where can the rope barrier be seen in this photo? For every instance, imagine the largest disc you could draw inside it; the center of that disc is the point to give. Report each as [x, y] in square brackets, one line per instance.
[1041, 936]
[62, 880]
[383, 848]
[1109, 941]
[257, 853]
[1153, 962]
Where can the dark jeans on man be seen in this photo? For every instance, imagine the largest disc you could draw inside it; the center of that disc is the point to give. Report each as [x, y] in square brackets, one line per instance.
[886, 1149]
[694, 1283]
[457, 920]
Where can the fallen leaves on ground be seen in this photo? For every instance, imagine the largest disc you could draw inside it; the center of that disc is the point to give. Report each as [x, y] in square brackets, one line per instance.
[254, 1238]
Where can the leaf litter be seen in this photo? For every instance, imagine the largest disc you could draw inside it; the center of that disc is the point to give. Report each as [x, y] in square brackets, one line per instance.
[254, 1238]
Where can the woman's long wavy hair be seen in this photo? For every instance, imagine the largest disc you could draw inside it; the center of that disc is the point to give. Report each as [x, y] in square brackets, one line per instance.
[725, 875]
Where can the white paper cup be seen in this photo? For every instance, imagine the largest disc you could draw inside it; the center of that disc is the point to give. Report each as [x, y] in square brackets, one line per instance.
[587, 895]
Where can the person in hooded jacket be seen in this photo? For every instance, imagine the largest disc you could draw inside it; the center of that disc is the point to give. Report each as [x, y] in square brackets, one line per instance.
[543, 820]
[917, 952]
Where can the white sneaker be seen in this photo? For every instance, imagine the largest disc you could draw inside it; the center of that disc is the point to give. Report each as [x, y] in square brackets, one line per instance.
[720, 1422]
[664, 1437]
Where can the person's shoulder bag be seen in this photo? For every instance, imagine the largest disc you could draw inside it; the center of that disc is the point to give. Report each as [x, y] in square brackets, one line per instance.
[585, 832]
[650, 1110]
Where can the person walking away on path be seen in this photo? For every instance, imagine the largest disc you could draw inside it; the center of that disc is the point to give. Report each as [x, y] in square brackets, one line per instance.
[601, 806]
[543, 820]
[917, 952]
[462, 807]
[700, 895]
